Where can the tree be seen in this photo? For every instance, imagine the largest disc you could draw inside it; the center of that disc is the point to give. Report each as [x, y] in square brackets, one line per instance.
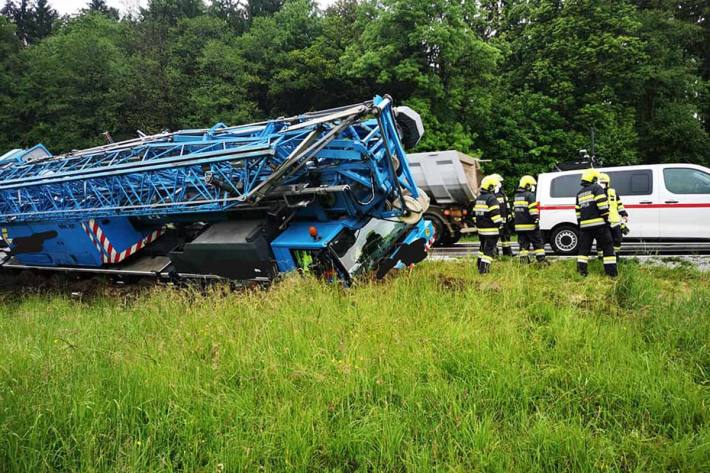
[521, 82]
[21, 15]
[71, 85]
[232, 12]
[42, 20]
[674, 108]
[426, 54]
[257, 8]
[33, 21]
[9, 67]
[100, 6]
[169, 12]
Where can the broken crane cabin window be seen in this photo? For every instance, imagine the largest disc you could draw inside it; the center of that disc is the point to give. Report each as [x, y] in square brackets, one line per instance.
[361, 250]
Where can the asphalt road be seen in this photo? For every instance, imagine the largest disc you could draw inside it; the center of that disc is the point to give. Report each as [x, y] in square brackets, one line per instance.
[628, 248]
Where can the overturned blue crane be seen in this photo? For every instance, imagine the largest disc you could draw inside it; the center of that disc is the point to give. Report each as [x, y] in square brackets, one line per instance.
[328, 192]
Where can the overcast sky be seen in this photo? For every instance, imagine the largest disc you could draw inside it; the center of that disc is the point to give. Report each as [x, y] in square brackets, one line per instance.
[72, 6]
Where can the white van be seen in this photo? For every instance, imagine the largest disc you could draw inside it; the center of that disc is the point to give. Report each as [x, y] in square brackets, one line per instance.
[664, 202]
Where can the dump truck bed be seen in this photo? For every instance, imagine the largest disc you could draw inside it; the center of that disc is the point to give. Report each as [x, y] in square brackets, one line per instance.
[448, 177]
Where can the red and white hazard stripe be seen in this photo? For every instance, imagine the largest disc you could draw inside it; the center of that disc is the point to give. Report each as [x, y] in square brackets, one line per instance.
[108, 252]
[429, 244]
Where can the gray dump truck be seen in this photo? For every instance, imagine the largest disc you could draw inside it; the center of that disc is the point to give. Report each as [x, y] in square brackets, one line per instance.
[451, 180]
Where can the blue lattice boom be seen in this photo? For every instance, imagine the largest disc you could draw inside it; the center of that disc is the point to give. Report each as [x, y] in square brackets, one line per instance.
[330, 190]
[353, 152]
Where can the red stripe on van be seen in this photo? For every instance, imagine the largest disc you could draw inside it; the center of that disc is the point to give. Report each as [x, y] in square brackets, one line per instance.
[557, 207]
[637, 206]
[663, 206]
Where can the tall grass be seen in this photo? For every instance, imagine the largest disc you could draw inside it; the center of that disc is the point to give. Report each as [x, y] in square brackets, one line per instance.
[527, 369]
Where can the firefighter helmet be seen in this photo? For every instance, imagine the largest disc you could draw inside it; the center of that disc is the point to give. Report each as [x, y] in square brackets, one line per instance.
[527, 181]
[590, 175]
[604, 177]
[497, 176]
[490, 182]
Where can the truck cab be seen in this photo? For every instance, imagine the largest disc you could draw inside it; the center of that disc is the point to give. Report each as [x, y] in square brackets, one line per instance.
[664, 202]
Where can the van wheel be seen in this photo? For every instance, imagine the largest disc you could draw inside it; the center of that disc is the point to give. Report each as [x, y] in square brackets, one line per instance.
[564, 240]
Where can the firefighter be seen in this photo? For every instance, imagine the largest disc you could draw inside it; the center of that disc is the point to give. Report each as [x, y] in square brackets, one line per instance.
[488, 222]
[527, 219]
[593, 217]
[617, 213]
[507, 216]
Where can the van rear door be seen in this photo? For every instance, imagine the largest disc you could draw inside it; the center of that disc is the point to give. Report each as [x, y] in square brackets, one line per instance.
[639, 193]
[685, 202]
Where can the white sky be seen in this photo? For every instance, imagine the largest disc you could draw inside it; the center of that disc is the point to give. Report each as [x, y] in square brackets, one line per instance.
[72, 6]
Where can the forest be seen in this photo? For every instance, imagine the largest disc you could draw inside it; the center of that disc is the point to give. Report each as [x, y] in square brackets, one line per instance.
[523, 83]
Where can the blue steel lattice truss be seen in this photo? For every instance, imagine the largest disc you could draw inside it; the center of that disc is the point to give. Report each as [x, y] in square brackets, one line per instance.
[352, 152]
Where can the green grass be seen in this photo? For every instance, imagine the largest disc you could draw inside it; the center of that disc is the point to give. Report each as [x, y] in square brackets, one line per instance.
[527, 369]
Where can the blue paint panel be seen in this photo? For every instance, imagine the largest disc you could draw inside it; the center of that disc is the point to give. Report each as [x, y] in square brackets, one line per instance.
[67, 244]
[297, 237]
[70, 247]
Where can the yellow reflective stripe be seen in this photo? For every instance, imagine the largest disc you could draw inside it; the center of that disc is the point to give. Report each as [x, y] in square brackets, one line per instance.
[481, 207]
[610, 260]
[521, 202]
[488, 231]
[486, 259]
[524, 226]
[507, 244]
[533, 204]
[534, 212]
[523, 253]
[582, 259]
[493, 207]
[592, 222]
[540, 251]
[600, 197]
[497, 218]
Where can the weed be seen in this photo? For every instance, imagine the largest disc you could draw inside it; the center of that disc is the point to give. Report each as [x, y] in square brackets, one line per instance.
[524, 369]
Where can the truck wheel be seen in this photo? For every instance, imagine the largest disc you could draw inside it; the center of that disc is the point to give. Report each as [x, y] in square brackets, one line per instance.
[440, 232]
[564, 239]
[453, 238]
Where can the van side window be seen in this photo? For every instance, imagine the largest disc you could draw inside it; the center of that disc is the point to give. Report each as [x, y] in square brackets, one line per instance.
[686, 181]
[565, 186]
[632, 182]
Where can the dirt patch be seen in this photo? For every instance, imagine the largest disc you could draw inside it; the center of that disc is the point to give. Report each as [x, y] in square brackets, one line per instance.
[452, 283]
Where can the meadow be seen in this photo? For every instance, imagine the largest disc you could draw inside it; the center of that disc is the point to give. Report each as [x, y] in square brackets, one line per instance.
[434, 369]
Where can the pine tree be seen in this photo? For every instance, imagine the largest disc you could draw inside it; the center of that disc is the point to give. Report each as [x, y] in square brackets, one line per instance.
[21, 15]
[42, 18]
[100, 6]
